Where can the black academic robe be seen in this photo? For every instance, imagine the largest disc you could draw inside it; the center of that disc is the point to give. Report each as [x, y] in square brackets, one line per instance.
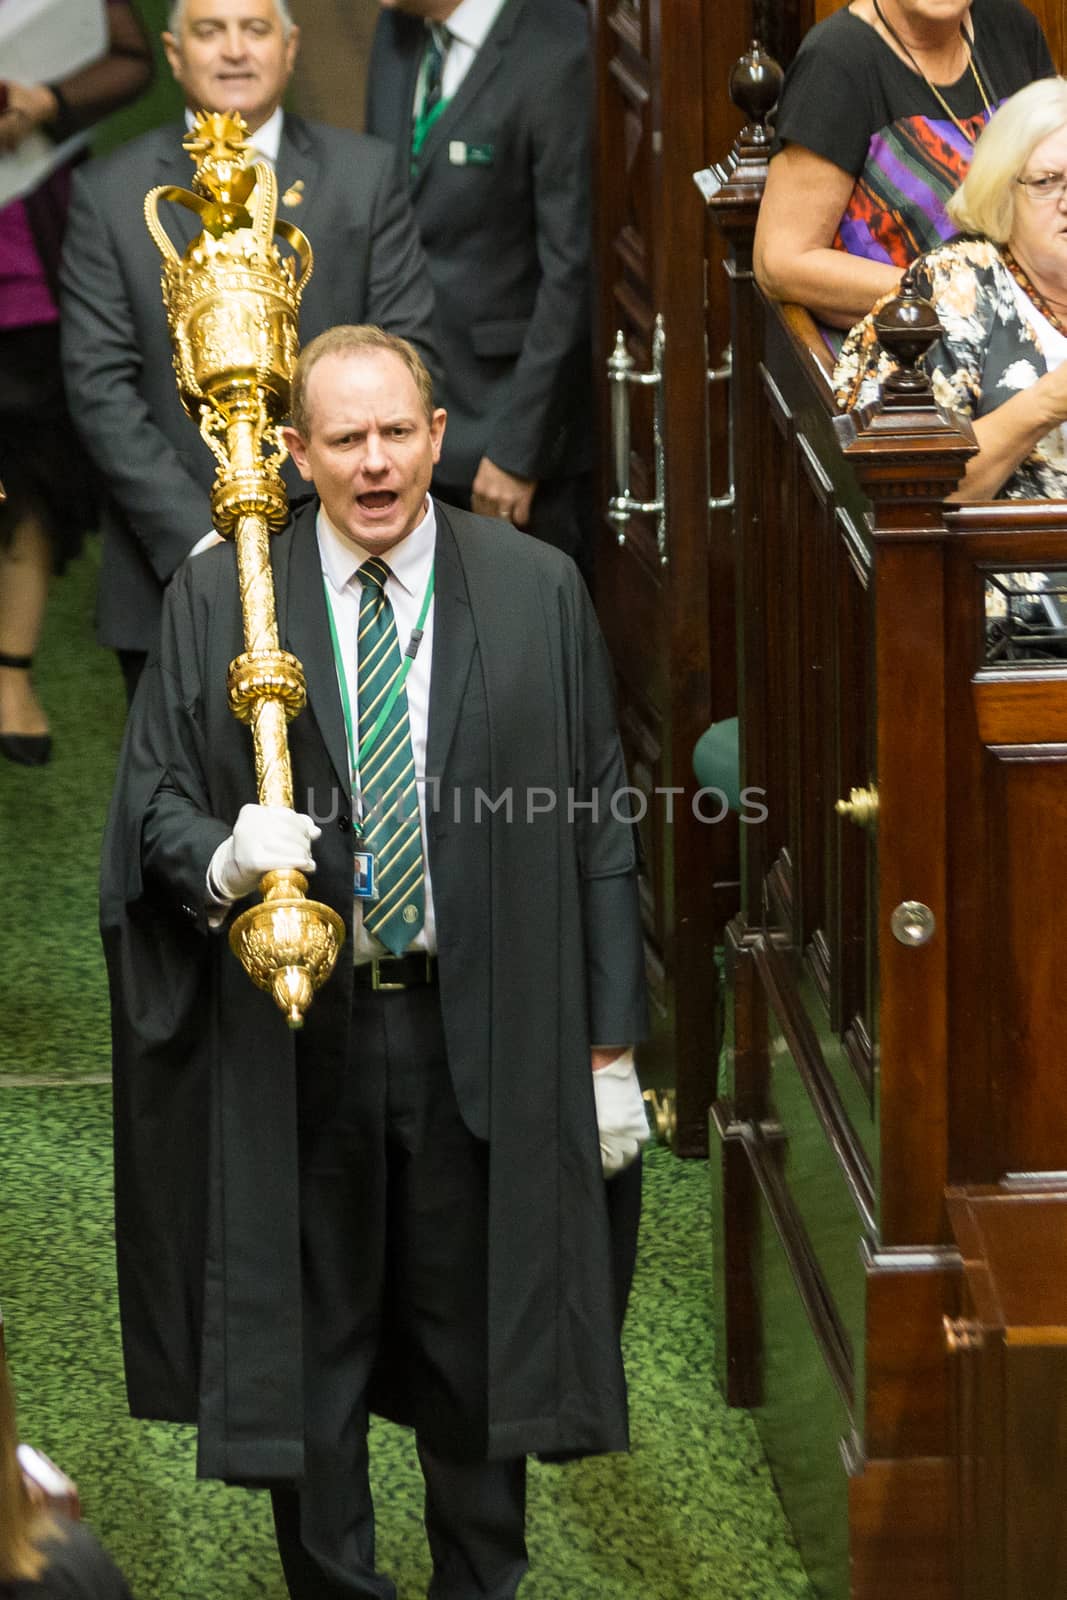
[539, 956]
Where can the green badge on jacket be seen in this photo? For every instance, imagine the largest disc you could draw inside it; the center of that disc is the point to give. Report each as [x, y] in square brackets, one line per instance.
[462, 154]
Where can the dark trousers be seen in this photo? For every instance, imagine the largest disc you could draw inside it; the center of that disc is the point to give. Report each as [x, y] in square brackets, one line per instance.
[562, 515]
[394, 1217]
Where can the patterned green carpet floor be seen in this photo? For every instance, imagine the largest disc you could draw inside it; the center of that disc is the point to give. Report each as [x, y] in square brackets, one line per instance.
[690, 1514]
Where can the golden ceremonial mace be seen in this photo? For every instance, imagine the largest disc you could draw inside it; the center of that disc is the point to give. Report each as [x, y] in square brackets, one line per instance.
[232, 304]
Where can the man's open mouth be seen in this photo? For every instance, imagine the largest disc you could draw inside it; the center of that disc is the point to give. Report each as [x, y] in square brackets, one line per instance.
[377, 500]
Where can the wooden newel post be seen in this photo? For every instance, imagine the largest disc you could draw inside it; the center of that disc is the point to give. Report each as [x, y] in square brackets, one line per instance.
[910, 455]
[733, 190]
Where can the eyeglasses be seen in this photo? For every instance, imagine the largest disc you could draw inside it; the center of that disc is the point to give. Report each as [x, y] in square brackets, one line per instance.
[1044, 185]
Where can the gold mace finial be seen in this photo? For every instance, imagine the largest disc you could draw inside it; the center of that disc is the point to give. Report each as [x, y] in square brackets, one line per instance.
[217, 143]
[232, 302]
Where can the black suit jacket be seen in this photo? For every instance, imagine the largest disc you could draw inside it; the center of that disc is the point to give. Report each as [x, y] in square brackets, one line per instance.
[502, 200]
[369, 267]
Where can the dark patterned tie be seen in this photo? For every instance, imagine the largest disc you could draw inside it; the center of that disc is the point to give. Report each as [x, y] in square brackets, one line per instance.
[429, 105]
[387, 776]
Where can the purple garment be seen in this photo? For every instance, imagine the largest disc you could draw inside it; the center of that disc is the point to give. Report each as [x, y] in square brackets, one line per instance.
[26, 300]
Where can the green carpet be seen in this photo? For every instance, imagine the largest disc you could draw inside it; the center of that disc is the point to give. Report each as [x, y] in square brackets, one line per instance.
[690, 1513]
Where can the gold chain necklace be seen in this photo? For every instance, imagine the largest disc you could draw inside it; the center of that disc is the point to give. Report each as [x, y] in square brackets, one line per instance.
[934, 90]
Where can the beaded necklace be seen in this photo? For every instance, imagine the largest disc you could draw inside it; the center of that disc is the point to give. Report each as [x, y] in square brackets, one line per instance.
[1030, 288]
[934, 90]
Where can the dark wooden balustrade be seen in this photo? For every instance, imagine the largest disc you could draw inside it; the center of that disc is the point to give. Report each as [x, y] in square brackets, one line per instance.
[889, 1146]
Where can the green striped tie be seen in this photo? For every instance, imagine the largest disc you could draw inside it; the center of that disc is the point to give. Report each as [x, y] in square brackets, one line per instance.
[387, 776]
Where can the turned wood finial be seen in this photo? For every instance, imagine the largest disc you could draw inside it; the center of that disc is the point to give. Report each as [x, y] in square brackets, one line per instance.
[906, 327]
[755, 83]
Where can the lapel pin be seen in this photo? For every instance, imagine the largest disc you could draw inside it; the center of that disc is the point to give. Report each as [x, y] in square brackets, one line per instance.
[294, 195]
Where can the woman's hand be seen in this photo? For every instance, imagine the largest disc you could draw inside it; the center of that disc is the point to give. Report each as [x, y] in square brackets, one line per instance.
[1008, 435]
[26, 106]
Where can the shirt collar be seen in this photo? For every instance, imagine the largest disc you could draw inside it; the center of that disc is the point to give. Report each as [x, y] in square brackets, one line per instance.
[266, 141]
[409, 561]
[472, 20]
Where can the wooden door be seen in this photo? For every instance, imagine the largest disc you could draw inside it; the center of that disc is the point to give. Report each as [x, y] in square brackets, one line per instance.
[661, 111]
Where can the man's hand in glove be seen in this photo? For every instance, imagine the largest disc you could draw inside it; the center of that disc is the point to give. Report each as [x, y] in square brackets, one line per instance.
[264, 838]
[620, 1111]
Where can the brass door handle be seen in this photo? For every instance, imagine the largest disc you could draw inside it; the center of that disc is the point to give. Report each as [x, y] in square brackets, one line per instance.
[621, 374]
[724, 374]
[861, 807]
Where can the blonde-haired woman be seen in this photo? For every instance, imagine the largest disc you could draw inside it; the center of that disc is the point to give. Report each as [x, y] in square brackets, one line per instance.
[44, 1557]
[1000, 292]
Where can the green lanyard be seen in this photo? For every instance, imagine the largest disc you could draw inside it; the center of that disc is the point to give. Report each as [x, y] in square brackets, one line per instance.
[398, 683]
[421, 127]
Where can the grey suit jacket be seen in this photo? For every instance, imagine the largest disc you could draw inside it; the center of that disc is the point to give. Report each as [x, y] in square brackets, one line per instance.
[369, 267]
[502, 199]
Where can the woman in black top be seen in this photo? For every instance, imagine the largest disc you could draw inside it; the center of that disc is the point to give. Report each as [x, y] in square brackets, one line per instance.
[874, 132]
[42, 1556]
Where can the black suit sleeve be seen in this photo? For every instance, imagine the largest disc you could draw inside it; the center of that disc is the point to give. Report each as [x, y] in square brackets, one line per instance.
[608, 852]
[557, 342]
[163, 504]
[162, 833]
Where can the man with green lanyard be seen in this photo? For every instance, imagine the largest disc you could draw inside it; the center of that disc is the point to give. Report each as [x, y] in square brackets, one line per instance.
[488, 107]
[401, 1207]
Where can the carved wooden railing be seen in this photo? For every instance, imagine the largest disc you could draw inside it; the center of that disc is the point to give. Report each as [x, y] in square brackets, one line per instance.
[890, 1141]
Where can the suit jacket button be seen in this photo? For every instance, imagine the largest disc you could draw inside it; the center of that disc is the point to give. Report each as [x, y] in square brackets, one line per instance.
[344, 823]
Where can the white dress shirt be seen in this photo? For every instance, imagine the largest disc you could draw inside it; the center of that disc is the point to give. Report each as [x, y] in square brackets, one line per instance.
[468, 27]
[410, 564]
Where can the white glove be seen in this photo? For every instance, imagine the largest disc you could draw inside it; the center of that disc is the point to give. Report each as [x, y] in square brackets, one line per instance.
[264, 838]
[620, 1114]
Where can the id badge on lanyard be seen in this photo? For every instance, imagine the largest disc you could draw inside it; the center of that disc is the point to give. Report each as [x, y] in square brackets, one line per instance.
[364, 886]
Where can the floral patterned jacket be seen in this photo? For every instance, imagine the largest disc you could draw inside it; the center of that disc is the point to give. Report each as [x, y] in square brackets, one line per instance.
[986, 353]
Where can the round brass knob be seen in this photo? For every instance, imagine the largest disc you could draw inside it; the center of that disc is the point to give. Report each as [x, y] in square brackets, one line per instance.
[913, 923]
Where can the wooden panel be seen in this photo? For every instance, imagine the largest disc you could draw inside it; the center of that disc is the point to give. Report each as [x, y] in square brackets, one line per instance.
[1052, 14]
[1025, 709]
[1027, 819]
[723, 44]
[650, 93]
[813, 537]
[911, 856]
[888, 1562]
[1009, 1354]
[802, 1417]
[851, 851]
[909, 1293]
[772, 614]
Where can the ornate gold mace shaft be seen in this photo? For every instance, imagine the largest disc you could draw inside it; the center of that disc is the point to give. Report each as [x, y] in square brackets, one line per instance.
[232, 302]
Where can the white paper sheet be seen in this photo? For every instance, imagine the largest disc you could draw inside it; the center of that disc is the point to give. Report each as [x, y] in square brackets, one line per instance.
[43, 41]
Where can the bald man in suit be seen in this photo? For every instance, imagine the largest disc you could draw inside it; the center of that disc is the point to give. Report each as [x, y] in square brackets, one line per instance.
[339, 187]
[401, 1206]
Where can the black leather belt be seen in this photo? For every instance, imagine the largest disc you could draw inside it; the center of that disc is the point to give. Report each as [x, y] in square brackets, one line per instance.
[397, 972]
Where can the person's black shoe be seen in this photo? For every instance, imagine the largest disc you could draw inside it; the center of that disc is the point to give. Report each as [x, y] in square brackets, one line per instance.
[27, 749]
